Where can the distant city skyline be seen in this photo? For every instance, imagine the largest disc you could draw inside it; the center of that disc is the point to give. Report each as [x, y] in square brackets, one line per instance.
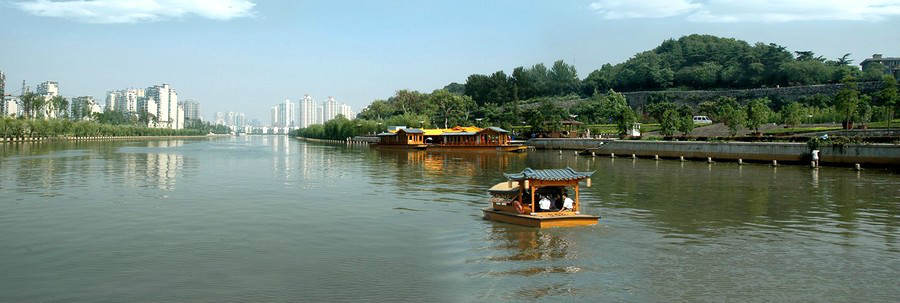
[247, 55]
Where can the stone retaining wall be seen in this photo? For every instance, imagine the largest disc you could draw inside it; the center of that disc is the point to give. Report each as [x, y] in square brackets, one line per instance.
[874, 154]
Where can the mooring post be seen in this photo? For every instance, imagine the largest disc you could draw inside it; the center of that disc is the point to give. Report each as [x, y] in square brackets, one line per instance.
[681, 158]
[612, 155]
[655, 157]
[857, 166]
[708, 159]
[740, 161]
[593, 154]
[633, 156]
[560, 152]
[774, 162]
[812, 164]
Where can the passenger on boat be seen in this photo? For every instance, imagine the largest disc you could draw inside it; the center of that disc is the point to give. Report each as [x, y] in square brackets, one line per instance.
[544, 203]
[568, 204]
[518, 206]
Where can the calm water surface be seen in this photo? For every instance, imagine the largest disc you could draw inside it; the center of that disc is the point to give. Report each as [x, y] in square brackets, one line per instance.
[271, 219]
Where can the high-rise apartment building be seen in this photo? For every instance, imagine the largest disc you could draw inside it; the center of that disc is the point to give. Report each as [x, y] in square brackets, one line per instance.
[275, 116]
[2, 86]
[191, 109]
[329, 109]
[229, 119]
[287, 111]
[148, 105]
[220, 118]
[240, 120]
[84, 107]
[10, 106]
[307, 112]
[320, 115]
[346, 111]
[167, 105]
[48, 90]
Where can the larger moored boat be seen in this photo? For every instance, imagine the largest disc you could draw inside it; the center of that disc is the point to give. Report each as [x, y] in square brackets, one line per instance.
[471, 139]
[516, 201]
[402, 138]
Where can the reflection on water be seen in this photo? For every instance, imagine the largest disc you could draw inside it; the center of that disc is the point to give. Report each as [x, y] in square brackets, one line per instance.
[51, 167]
[269, 218]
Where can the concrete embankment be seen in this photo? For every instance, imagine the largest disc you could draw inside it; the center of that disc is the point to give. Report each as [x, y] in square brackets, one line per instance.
[872, 154]
[102, 138]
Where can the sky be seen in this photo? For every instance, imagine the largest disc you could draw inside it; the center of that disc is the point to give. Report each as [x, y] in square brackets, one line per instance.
[248, 55]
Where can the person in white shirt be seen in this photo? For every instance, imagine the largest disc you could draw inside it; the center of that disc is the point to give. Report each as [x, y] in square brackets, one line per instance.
[568, 204]
[815, 157]
[544, 203]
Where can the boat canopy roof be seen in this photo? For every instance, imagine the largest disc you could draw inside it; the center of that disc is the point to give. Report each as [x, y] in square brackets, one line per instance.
[405, 130]
[504, 189]
[454, 131]
[565, 174]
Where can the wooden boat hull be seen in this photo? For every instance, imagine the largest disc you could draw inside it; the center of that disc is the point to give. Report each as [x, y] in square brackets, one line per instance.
[477, 148]
[539, 221]
[400, 146]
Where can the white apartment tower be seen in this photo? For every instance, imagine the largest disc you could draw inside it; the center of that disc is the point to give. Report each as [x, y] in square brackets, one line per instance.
[307, 111]
[48, 90]
[345, 111]
[167, 101]
[191, 109]
[320, 115]
[329, 109]
[84, 107]
[220, 118]
[287, 112]
[275, 116]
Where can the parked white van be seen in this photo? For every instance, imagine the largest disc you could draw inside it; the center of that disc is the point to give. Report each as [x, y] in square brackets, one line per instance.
[702, 120]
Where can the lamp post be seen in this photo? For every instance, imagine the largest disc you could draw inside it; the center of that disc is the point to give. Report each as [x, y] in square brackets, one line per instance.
[478, 121]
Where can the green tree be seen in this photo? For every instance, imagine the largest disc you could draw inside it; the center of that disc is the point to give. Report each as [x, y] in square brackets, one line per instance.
[730, 113]
[31, 103]
[450, 107]
[669, 122]
[685, 120]
[846, 101]
[793, 114]
[563, 79]
[625, 119]
[58, 105]
[864, 110]
[758, 113]
[709, 109]
[411, 102]
[889, 97]
[378, 110]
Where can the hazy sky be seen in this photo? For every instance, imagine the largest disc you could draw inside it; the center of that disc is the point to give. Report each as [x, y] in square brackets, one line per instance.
[247, 55]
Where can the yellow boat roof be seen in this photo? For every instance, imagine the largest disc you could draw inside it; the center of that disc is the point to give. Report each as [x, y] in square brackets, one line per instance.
[442, 131]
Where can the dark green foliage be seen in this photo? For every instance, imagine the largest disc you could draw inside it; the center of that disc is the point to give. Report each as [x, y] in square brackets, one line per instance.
[20, 128]
[847, 100]
[758, 112]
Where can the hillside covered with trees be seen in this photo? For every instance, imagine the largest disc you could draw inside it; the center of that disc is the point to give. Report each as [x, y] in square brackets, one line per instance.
[529, 98]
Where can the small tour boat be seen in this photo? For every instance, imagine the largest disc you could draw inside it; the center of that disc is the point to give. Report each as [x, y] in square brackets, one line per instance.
[518, 201]
[403, 138]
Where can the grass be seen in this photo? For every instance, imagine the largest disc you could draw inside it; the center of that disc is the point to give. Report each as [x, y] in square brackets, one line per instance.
[613, 128]
[798, 130]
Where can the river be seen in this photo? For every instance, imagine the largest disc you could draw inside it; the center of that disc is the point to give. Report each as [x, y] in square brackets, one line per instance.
[274, 219]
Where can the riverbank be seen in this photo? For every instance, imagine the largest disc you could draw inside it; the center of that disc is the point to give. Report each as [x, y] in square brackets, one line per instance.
[887, 155]
[101, 138]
